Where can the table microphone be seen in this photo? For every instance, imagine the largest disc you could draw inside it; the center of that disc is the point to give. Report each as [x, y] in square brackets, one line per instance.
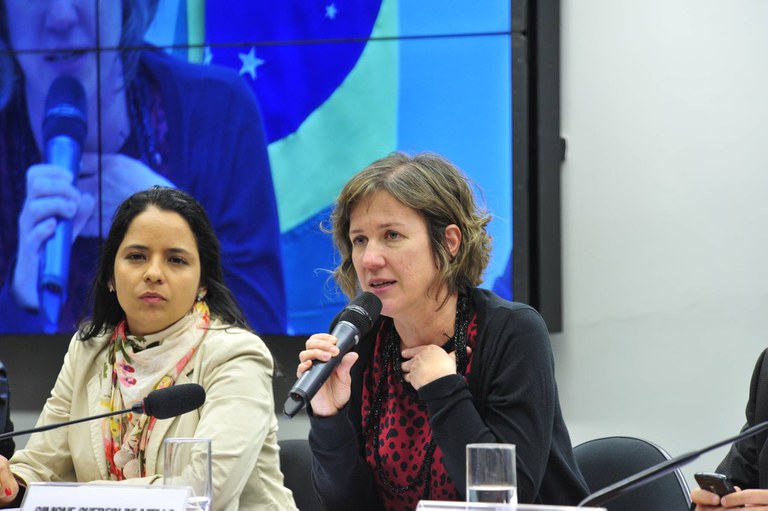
[161, 403]
[661, 469]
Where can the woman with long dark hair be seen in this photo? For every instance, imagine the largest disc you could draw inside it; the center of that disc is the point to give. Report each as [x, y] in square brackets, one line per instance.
[162, 315]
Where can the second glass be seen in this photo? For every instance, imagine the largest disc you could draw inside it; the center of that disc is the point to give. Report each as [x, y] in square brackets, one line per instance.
[188, 463]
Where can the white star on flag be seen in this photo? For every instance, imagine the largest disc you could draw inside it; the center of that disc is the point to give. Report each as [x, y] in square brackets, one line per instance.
[331, 11]
[250, 63]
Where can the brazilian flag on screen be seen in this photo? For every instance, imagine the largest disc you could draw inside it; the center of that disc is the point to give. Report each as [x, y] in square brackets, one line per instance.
[328, 95]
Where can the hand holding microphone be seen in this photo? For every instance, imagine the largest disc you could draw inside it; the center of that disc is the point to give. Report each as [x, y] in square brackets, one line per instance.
[324, 368]
[336, 390]
[64, 128]
[52, 201]
[50, 196]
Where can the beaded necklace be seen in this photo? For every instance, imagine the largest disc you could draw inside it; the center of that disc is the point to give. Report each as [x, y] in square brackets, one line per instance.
[391, 355]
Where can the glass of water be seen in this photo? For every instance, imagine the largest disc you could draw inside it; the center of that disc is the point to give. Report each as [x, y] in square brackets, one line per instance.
[187, 462]
[491, 473]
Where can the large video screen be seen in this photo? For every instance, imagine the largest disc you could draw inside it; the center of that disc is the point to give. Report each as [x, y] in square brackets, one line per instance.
[261, 110]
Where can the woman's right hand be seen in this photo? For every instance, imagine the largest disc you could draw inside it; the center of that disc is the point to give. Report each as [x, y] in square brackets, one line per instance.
[335, 392]
[50, 196]
[9, 487]
[113, 178]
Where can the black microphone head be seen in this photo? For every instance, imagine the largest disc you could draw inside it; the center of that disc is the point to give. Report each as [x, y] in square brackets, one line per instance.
[362, 311]
[172, 401]
[65, 110]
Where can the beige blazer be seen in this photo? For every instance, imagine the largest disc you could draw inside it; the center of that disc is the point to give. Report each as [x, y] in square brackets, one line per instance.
[235, 368]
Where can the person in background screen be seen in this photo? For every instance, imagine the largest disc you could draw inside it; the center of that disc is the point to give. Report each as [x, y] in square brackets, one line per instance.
[162, 315]
[746, 464]
[160, 121]
[447, 364]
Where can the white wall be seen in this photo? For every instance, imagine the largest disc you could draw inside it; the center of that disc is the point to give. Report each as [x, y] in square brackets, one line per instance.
[665, 218]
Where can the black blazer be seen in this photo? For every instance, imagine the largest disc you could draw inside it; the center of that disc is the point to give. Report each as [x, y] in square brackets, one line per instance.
[747, 461]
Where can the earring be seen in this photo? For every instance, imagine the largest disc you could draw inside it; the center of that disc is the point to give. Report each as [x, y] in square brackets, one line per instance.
[111, 289]
[200, 297]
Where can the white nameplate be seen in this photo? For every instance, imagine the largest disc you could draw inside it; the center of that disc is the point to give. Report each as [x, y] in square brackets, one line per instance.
[103, 497]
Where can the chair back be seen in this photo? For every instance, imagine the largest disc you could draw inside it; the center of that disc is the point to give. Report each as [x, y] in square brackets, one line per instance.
[604, 461]
[296, 464]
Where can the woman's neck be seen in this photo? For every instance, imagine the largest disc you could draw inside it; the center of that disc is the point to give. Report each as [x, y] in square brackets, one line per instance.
[433, 326]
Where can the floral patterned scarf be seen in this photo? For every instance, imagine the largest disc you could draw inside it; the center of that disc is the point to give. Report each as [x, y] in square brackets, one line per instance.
[135, 366]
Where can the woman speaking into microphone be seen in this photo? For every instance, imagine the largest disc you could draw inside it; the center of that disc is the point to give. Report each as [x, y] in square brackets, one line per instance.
[152, 119]
[447, 363]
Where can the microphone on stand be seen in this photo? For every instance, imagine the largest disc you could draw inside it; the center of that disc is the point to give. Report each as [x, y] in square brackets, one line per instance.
[355, 321]
[161, 403]
[644, 477]
[64, 129]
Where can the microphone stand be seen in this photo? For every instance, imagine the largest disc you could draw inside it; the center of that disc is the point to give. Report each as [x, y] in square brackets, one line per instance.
[137, 408]
[652, 473]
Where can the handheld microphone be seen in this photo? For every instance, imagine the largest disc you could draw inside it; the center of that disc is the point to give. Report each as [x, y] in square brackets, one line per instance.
[355, 320]
[644, 477]
[161, 403]
[64, 130]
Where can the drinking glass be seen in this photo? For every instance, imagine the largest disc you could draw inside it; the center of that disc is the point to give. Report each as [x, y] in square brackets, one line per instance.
[188, 463]
[491, 473]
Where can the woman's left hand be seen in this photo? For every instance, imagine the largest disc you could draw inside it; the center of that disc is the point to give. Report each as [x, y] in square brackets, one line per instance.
[9, 487]
[426, 364]
[121, 177]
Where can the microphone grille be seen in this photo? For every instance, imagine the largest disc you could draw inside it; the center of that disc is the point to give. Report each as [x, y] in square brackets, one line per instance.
[362, 311]
[65, 110]
[176, 400]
